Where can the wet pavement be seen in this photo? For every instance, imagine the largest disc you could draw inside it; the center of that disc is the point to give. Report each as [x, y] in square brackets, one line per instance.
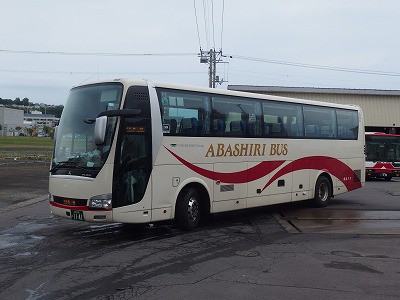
[374, 209]
[22, 181]
[244, 254]
[348, 250]
[340, 221]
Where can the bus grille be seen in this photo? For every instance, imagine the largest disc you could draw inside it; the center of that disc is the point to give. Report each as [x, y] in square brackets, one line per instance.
[70, 202]
[227, 188]
[142, 97]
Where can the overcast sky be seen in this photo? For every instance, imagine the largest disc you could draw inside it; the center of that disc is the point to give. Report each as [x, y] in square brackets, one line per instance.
[49, 46]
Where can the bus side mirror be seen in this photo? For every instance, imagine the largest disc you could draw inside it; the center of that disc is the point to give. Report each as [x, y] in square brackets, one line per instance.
[101, 122]
[100, 130]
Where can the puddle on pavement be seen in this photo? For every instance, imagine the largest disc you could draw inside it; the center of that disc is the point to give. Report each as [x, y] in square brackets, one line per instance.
[394, 192]
[17, 241]
[341, 221]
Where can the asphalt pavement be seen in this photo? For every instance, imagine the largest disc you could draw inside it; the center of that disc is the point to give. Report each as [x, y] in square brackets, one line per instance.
[294, 251]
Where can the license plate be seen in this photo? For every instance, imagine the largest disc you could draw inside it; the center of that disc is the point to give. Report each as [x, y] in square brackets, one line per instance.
[77, 215]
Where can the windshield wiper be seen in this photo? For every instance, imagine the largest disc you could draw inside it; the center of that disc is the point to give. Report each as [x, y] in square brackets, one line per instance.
[59, 165]
[67, 164]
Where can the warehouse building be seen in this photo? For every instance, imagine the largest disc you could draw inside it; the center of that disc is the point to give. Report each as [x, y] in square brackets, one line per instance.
[10, 120]
[381, 108]
[37, 119]
[14, 122]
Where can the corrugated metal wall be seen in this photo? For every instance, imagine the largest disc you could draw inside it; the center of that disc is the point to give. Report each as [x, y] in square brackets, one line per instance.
[379, 111]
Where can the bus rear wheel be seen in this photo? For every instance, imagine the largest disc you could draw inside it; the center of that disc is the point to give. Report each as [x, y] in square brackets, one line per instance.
[188, 209]
[323, 191]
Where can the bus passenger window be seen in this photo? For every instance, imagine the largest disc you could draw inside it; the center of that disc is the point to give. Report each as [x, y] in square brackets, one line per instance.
[347, 124]
[173, 126]
[189, 126]
[184, 113]
[327, 131]
[238, 117]
[219, 126]
[170, 126]
[320, 122]
[282, 119]
[238, 128]
[312, 131]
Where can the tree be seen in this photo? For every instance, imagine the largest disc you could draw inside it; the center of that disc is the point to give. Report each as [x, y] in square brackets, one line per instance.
[29, 131]
[18, 129]
[48, 131]
[54, 110]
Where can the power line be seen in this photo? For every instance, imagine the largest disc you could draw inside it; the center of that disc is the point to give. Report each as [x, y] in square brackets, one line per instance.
[92, 53]
[222, 23]
[320, 67]
[211, 56]
[286, 77]
[197, 23]
[212, 21]
[91, 72]
[205, 15]
[248, 58]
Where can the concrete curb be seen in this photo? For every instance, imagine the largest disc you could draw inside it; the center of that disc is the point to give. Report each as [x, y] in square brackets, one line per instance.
[23, 204]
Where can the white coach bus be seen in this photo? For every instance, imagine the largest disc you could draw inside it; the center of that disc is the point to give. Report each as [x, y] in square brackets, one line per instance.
[136, 151]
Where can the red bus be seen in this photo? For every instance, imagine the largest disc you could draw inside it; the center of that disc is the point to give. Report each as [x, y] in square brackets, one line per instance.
[382, 155]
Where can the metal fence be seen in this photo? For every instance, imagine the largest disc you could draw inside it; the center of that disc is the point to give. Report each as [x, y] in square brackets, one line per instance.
[24, 155]
[20, 161]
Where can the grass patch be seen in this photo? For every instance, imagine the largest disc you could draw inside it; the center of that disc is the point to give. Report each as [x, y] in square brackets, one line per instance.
[25, 142]
[26, 148]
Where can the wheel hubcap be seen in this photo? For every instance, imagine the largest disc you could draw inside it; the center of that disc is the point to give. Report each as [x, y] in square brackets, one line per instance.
[323, 192]
[193, 209]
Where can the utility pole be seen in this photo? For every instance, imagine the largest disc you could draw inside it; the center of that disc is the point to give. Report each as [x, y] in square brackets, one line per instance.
[212, 57]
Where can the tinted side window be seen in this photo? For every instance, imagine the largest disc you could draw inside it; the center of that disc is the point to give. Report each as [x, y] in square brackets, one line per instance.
[282, 119]
[320, 122]
[235, 117]
[347, 124]
[184, 113]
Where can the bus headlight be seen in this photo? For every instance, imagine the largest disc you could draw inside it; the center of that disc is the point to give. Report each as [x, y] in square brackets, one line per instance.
[100, 202]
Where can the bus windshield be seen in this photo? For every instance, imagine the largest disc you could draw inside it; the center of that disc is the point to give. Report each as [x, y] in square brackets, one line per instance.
[383, 148]
[75, 150]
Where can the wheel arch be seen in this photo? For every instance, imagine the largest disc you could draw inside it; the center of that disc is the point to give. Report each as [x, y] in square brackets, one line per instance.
[203, 190]
[323, 174]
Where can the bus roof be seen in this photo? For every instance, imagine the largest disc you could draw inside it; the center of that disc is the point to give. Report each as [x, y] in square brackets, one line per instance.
[144, 82]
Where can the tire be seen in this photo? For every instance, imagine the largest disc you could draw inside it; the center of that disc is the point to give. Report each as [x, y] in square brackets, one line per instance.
[188, 209]
[323, 192]
[388, 178]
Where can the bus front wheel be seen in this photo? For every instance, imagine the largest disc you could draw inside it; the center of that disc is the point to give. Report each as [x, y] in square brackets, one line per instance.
[188, 209]
[323, 191]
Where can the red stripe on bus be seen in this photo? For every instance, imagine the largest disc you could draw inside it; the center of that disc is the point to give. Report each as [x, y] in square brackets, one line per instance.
[84, 208]
[254, 173]
[327, 164]
[69, 206]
